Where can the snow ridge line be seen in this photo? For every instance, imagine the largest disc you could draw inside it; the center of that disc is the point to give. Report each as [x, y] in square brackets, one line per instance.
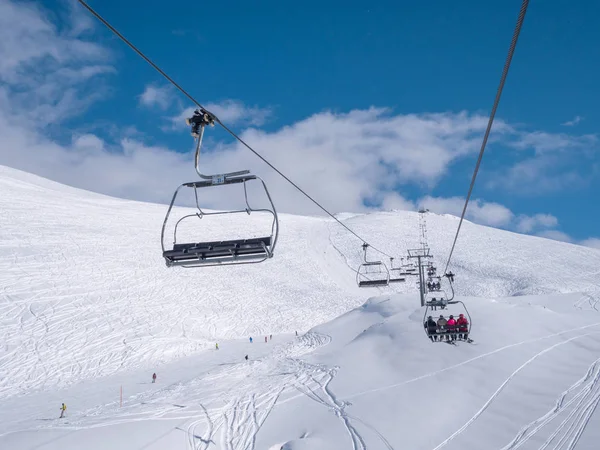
[503, 385]
[437, 372]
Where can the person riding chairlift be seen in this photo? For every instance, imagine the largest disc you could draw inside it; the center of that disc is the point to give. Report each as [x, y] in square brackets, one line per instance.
[451, 328]
[441, 325]
[463, 327]
[431, 327]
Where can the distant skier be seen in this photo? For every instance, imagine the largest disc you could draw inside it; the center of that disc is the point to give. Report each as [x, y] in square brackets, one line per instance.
[154, 377]
[251, 340]
[265, 339]
[246, 357]
[431, 327]
[63, 408]
[217, 346]
[296, 333]
[463, 327]
[270, 336]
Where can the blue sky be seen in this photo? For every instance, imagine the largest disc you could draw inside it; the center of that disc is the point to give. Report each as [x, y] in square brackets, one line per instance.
[298, 81]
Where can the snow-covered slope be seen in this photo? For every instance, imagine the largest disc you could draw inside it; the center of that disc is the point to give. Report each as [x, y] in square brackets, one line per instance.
[87, 305]
[368, 379]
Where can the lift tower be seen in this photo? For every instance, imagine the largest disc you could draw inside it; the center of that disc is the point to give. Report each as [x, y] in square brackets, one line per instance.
[421, 255]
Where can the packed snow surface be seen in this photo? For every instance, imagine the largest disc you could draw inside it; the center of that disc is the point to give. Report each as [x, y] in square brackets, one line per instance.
[89, 310]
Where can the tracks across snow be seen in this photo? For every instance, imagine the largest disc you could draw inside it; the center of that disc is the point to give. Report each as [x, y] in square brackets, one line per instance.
[503, 385]
[576, 404]
[325, 397]
[228, 404]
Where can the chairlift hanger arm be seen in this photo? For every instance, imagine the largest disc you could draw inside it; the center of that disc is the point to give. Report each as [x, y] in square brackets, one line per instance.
[198, 122]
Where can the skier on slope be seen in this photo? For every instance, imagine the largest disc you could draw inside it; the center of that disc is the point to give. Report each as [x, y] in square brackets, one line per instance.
[154, 377]
[63, 408]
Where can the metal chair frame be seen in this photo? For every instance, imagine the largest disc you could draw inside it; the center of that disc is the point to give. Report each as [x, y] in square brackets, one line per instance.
[218, 253]
[361, 277]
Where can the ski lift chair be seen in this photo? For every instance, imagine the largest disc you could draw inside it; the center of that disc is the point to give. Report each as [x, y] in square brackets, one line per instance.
[440, 334]
[434, 280]
[372, 273]
[439, 299]
[397, 275]
[212, 253]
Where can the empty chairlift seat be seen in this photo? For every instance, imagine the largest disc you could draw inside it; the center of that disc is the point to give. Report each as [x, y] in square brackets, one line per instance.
[372, 273]
[396, 274]
[222, 252]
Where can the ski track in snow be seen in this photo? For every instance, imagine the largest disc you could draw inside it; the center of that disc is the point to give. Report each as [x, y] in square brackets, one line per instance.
[236, 408]
[578, 403]
[454, 366]
[329, 400]
[503, 385]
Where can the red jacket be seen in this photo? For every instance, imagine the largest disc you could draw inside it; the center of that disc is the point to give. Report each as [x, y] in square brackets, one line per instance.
[462, 323]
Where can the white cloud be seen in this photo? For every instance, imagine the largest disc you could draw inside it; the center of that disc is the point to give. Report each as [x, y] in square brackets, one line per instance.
[234, 112]
[527, 224]
[542, 142]
[347, 160]
[27, 38]
[394, 201]
[564, 237]
[556, 235]
[154, 96]
[559, 161]
[573, 122]
[479, 211]
[44, 68]
[591, 242]
[492, 214]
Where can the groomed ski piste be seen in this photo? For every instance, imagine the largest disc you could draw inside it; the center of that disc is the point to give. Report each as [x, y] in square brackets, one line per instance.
[89, 311]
